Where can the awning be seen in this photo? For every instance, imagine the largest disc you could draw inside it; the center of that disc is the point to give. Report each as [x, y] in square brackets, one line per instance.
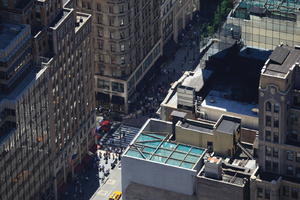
[117, 100]
[102, 97]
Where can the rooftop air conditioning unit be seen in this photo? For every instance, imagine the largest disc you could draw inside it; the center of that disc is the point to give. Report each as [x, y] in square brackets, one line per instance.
[185, 96]
[213, 168]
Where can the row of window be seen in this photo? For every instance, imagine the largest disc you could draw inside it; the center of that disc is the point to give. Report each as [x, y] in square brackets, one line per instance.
[272, 136]
[111, 9]
[269, 120]
[112, 20]
[272, 108]
[115, 86]
[290, 155]
[285, 191]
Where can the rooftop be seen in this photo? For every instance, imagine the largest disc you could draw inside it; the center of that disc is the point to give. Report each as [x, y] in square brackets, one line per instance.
[32, 76]
[220, 100]
[199, 126]
[281, 60]
[60, 18]
[8, 32]
[157, 148]
[228, 125]
[81, 19]
[279, 9]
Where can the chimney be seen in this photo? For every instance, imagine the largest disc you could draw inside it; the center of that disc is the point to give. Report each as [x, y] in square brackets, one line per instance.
[176, 116]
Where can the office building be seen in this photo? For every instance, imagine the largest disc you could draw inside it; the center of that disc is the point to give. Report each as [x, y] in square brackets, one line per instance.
[187, 159]
[128, 37]
[47, 109]
[214, 90]
[264, 24]
[279, 149]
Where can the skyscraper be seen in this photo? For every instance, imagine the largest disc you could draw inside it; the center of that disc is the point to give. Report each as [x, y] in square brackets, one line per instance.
[46, 103]
[128, 37]
[279, 139]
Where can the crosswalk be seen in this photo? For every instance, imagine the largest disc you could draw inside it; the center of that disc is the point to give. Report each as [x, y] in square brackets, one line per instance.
[121, 137]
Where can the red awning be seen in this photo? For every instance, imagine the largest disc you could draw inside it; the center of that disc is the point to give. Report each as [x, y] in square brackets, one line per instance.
[104, 123]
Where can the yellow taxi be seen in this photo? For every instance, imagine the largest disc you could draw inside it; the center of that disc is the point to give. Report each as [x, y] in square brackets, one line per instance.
[116, 195]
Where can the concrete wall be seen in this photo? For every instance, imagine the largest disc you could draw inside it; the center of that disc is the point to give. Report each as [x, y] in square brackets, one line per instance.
[208, 189]
[156, 175]
[250, 122]
[221, 142]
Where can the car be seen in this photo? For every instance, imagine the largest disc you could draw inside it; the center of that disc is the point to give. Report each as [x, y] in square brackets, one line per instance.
[116, 195]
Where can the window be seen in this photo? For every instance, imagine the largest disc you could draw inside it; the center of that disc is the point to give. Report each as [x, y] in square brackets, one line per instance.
[290, 155]
[122, 47]
[100, 19]
[122, 60]
[268, 106]
[294, 193]
[276, 123]
[259, 192]
[268, 151]
[267, 194]
[101, 58]
[111, 21]
[298, 157]
[276, 108]
[122, 34]
[118, 87]
[111, 9]
[275, 137]
[268, 120]
[275, 152]
[113, 60]
[290, 170]
[275, 167]
[268, 165]
[100, 32]
[297, 172]
[103, 84]
[268, 136]
[121, 8]
[122, 22]
[112, 47]
[100, 44]
[286, 191]
[98, 6]
[111, 35]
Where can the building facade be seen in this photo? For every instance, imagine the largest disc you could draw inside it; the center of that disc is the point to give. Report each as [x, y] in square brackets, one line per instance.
[128, 37]
[264, 24]
[46, 103]
[279, 149]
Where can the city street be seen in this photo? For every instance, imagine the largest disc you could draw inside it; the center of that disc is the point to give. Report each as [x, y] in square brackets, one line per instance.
[99, 180]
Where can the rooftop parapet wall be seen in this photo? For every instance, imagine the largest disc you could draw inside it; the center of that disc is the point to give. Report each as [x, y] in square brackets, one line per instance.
[11, 38]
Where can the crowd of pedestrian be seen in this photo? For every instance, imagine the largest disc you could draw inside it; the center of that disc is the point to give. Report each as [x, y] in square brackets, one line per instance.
[149, 98]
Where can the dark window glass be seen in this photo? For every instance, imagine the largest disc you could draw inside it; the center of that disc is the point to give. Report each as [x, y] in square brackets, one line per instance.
[259, 192]
[267, 194]
[268, 106]
[268, 136]
[268, 120]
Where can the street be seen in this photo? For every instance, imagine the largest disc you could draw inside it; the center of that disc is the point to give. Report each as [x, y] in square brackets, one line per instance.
[99, 180]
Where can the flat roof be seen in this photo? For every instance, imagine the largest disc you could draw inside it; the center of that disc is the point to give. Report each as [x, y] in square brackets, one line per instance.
[270, 8]
[281, 60]
[228, 126]
[32, 76]
[155, 147]
[81, 19]
[8, 32]
[60, 18]
[197, 125]
[216, 100]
